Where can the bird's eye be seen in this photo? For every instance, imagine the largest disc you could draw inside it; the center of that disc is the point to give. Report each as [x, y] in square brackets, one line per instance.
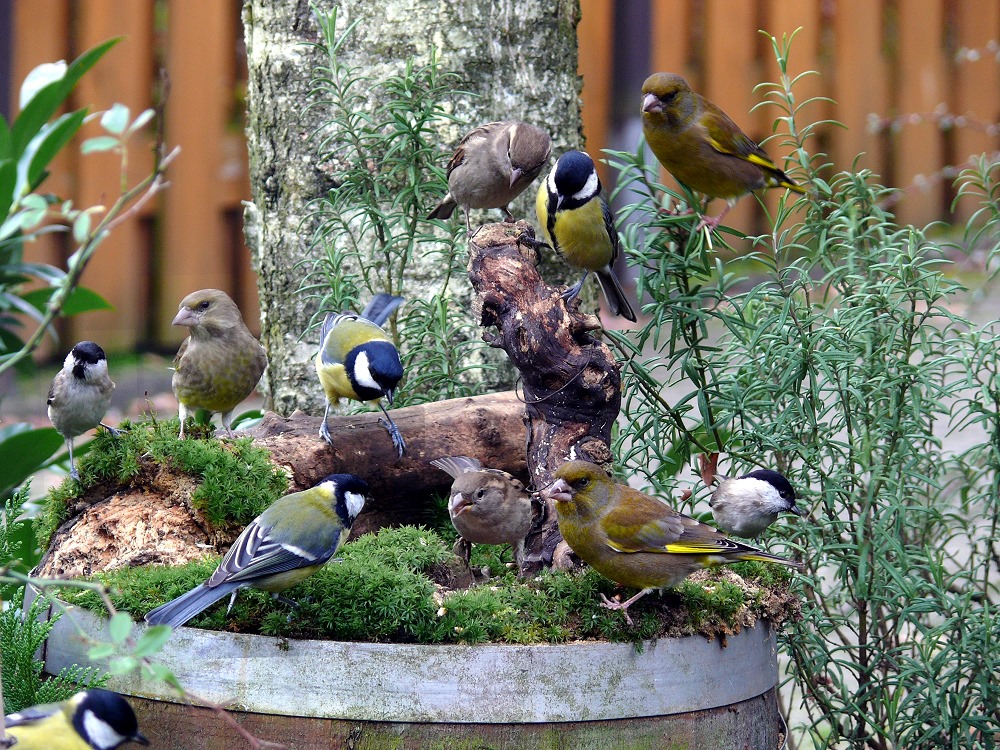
[204, 305]
[480, 493]
[581, 483]
[670, 96]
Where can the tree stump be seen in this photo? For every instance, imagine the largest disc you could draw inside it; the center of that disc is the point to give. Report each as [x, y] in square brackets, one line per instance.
[570, 380]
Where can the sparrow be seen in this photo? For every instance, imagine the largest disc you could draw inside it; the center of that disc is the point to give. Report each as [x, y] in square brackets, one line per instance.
[80, 394]
[701, 147]
[487, 506]
[492, 165]
[220, 363]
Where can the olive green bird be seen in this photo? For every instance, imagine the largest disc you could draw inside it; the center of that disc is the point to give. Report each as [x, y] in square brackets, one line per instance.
[220, 363]
[635, 539]
[702, 147]
[93, 719]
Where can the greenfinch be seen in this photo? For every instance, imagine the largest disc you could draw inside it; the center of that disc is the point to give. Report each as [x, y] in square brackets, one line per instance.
[576, 221]
[220, 363]
[93, 719]
[357, 360]
[635, 539]
[701, 147]
[487, 506]
[747, 505]
[492, 165]
[80, 394]
[283, 546]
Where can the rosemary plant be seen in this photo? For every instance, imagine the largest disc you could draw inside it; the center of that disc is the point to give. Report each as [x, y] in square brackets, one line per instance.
[841, 362]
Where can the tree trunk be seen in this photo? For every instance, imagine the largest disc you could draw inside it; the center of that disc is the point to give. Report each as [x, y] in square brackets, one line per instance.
[519, 58]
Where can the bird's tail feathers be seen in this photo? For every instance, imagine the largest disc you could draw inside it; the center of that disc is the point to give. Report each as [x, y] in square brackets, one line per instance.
[382, 305]
[178, 611]
[457, 465]
[618, 303]
[766, 557]
[444, 209]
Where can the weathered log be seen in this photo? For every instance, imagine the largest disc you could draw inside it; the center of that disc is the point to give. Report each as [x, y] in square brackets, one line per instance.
[571, 381]
[153, 520]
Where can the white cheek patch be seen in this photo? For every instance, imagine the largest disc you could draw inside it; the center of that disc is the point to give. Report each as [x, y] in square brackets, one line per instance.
[589, 190]
[354, 503]
[99, 732]
[363, 373]
[96, 371]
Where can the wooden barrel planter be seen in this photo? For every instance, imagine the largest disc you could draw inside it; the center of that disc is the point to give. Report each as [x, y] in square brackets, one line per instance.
[672, 693]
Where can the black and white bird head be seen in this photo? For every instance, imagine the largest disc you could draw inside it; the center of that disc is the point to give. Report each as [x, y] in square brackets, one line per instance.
[573, 180]
[86, 361]
[349, 494]
[374, 369]
[105, 719]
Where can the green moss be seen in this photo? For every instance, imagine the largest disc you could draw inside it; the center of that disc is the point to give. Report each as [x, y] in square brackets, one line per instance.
[382, 587]
[237, 481]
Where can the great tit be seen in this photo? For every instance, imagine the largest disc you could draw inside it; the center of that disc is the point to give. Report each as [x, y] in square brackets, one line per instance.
[357, 360]
[492, 165]
[92, 719]
[80, 394]
[747, 505]
[633, 538]
[576, 221]
[487, 506]
[220, 363]
[701, 147]
[284, 545]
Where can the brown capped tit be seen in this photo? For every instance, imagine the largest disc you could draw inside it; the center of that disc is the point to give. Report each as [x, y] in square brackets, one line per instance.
[93, 719]
[633, 538]
[576, 221]
[493, 165]
[747, 505]
[357, 360]
[701, 147]
[295, 537]
[220, 363]
[80, 394]
[487, 506]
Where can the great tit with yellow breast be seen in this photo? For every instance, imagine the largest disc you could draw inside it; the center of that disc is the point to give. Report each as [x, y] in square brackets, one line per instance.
[492, 165]
[220, 363]
[633, 538]
[576, 221]
[284, 545]
[702, 147]
[357, 360]
[80, 394]
[747, 505]
[93, 719]
[487, 506]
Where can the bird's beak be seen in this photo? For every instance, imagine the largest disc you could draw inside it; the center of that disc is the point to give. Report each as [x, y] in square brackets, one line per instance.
[515, 175]
[185, 317]
[558, 491]
[459, 504]
[651, 103]
[139, 738]
[797, 510]
[388, 396]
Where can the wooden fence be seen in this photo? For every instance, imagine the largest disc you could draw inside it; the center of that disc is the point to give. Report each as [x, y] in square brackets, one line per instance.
[886, 58]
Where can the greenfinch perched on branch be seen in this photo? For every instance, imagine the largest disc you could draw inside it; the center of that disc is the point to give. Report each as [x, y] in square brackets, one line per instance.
[357, 360]
[492, 165]
[295, 537]
[80, 395]
[701, 147]
[487, 506]
[93, 719]
[576, 221]
[635, 539]
[220, 363]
